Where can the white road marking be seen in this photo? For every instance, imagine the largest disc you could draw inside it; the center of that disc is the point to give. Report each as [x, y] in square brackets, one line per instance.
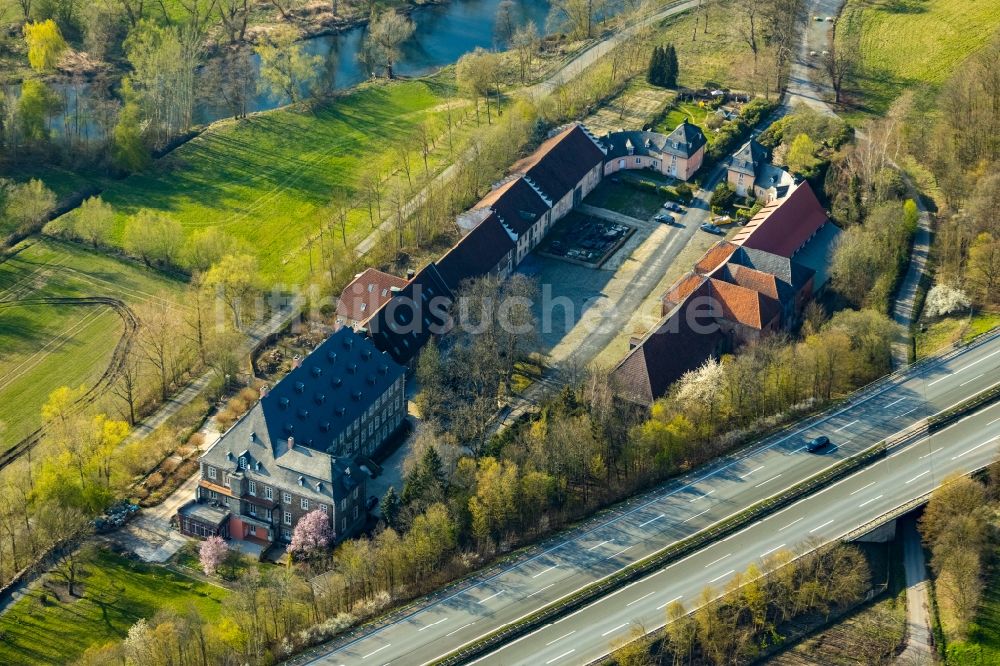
[428, 626]
[977, 446]
[895, 401]
[924, 473]
[564, 654]
[756, 470]
[934, 451]
[599, 545]
[939, 380]
[971, 380]
[905, 413]
[653, 520]
[819, 527]
[718, 578]
[560, 638]
[640, 599]
[847, 426]
[696, 515]
[669, 602]
[772, 550]
[863, 487]
[791, 523]
[377, 651]
[966, 367]
[541, 590]
[611, 631]
[867, 502]
[483, 601]
[768, 481]
[460, 628]
[618, 553]
[992, 422]
[543, 571]
[718, 560]
[702, 496]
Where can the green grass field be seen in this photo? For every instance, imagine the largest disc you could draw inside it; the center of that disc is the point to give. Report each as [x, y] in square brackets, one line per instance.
[116, 593]
[46, 346]
[715, 58]
[951, 329]
[912, 43]
[268, 181]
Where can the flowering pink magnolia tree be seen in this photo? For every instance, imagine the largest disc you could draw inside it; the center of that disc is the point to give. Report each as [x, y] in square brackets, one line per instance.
[212, 553]
[311, 534]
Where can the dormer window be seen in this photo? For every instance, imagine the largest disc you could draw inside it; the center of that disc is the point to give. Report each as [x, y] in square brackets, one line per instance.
[320, 398]
[316, 371]
[243, 462]
[300, 387]
[331, 357]
[303, 413]
[336, 382]
[283, 403]
[302, 480]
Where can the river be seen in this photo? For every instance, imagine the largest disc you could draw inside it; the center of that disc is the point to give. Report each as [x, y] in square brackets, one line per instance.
[443, 33]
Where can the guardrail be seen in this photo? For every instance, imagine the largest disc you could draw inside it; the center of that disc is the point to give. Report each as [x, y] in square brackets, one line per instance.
[730, 525]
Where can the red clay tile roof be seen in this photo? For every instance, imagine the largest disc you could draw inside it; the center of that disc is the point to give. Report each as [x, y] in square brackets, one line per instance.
[741, 305]
[366, 293]
[783, 226]
[517, 203]
[750, 278]
[714, 257]
[561, 162]
[684, 285]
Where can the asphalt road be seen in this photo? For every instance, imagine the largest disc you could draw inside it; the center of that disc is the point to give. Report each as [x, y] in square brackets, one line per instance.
[691, 503]
[587, 635]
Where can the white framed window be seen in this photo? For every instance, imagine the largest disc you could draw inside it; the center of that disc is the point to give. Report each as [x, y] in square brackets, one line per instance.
[252, 487]
[355, 512]
[286, 498]
[210, 471]
[343, 505]
[243, 462]
[323, 508]
[354, 493]
[287, 518]
[268, 492]
[343, 524]
[252, 530]
[304, 503]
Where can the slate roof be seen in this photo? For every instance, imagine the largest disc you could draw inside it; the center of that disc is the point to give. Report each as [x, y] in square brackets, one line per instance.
[476, 254]
[561, 162]
[747, 158]
[817, 253]
[366, 293]
[664, 354]
[783, 226]
[313, 405]
[517, 203]
[787, 271]
[403, 325]
[332, 387]
[312, 473]
[685, 140]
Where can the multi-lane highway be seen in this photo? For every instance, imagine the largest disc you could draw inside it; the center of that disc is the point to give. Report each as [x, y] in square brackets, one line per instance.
[689, 504]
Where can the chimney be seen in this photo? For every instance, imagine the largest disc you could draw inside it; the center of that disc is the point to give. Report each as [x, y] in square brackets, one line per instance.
[291, 443]
[410, 273]
[296, 361]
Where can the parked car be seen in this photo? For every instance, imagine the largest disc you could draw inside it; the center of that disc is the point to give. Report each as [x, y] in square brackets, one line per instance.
[817, 443]
[665, 218]
[711, 228]
[117, 515]
[721, 219]
[674, 206]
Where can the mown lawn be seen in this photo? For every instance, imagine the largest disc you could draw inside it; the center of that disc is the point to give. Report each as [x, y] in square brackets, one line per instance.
[115, 594]
[716, 58]
[912, 43]
[45, 346]
[268, 181]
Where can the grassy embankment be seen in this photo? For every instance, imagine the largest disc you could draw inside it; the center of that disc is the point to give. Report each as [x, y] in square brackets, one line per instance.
[948, 330]
[268, 181]
[115, 593]
[908, 44]
[50, 345]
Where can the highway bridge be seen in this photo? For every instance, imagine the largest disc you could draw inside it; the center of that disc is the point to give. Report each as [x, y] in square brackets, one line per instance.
[682, 507]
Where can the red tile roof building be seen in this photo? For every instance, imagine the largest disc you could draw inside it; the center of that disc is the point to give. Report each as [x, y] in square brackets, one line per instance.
[784, 226]
[366, 293]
